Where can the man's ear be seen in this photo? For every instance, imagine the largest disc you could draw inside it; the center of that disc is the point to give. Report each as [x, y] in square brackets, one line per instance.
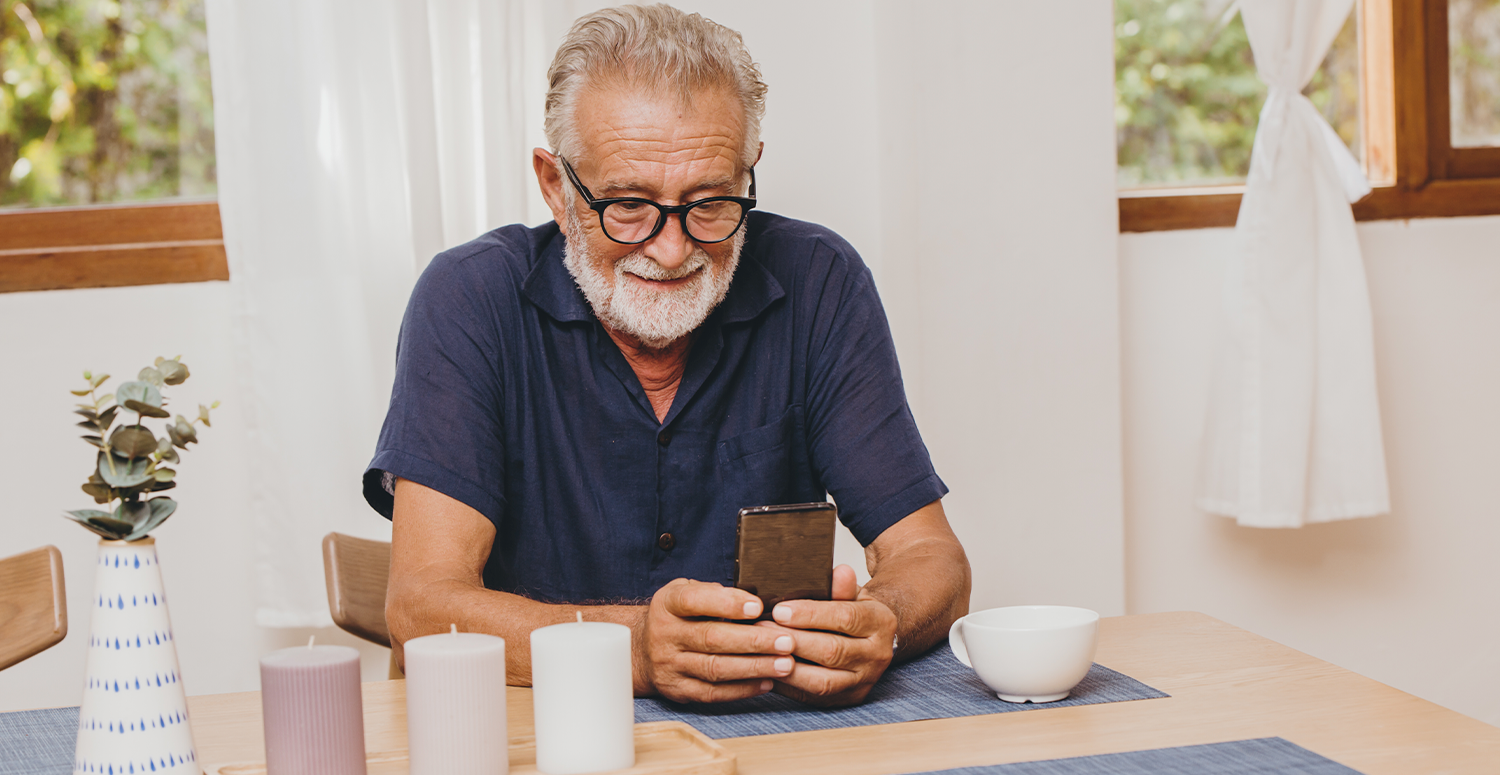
[551, 183]
[759, 152]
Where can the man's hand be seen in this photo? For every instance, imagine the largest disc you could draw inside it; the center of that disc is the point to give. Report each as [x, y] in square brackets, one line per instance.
[686, 652]
[846, 643]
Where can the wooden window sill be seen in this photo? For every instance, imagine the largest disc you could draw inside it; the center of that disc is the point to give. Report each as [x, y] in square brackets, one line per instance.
[1162, 210]
[111, 246]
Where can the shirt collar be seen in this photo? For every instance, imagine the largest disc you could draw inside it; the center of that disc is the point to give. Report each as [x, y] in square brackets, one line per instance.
[550, 287]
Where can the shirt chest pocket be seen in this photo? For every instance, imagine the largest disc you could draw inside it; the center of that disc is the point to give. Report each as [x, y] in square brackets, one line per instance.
[767, 465]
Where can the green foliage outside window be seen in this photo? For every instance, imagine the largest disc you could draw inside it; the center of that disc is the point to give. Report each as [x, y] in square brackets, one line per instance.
[104, 101]
[1187, 96]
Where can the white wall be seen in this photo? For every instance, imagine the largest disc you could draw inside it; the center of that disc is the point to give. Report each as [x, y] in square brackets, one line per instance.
[1408, 599]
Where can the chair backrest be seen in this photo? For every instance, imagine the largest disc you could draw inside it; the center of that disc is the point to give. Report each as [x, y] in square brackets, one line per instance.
[33, 604]
[356, 570]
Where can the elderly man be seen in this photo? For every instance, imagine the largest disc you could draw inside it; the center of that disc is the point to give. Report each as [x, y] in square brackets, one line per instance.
[581, 409]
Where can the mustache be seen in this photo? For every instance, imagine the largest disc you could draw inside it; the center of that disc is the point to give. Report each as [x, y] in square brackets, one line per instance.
[639, 265]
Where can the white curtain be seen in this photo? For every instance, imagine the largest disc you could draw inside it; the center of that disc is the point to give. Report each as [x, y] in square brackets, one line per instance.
[1293, 433]
[354, 140]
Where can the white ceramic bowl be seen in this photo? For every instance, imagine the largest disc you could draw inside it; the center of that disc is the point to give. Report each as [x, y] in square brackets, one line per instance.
[1027, 653]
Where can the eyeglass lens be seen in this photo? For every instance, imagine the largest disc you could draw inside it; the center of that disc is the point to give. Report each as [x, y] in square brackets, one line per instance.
[712, 221]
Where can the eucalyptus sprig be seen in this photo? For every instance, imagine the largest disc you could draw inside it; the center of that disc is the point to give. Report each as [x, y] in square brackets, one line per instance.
[130, 462]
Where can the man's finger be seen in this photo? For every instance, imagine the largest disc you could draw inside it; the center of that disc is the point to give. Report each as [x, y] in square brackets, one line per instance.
[707, 599]
[848, 617]
[837, 651]
[693, 690]
[818, 685]
[724, 668]
[732, 638]
[845, 583]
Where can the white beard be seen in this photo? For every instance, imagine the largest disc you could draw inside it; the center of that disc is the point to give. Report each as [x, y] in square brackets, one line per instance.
[655, 317]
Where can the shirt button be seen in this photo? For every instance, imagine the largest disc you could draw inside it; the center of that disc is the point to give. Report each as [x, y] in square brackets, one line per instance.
[666, 542]
[664, 438]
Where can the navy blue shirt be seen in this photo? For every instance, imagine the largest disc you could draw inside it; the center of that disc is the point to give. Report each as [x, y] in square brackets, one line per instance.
[511, 398]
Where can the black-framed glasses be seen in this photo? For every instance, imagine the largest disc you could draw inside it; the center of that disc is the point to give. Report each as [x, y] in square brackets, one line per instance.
[631, 220]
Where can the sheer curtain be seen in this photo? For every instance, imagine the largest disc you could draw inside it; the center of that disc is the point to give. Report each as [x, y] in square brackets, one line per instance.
[1293, 433]
[355, 140]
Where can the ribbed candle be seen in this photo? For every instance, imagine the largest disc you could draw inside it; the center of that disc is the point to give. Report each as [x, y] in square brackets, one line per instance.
[455, 705]
[311, 703]
[581, 698]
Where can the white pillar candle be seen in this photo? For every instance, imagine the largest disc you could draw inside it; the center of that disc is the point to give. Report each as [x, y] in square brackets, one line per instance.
[311, 704]
[582, 698]
[455, 704]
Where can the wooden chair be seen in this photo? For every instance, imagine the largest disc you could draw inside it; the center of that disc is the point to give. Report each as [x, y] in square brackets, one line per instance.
[33, 604]
[356, 571]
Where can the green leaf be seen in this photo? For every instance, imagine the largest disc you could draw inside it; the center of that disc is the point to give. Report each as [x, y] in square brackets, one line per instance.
[159, 486]
[203, 416]
[87, 374]
[88, 426]
[87, 513]
[99, 492]
[132, 441]
[115, 526]
[104, 399]
[173, 373]
[151, 375]
[107, 417]
[81, 392]
[182, 432]
[144, 392]
[146, 409]
[171, 454]
[95, 440]
[89, 413]
[133, 513]
[120, 474]
[104, 532]
[160, 509]
[97, 381]
[164, 474]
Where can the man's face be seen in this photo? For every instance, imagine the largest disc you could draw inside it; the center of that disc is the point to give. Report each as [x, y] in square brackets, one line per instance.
[650, 146]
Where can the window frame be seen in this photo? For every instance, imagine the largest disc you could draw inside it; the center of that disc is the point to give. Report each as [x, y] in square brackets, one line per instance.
[1413, 168]
[112, 245]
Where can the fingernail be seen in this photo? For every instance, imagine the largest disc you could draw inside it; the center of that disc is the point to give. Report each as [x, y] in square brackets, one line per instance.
[784, 643]
[781, 613]
[752, 609]
[765, 686]
[783, 665]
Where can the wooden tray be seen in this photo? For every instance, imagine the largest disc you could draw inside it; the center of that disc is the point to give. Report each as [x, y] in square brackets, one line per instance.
[661, 748]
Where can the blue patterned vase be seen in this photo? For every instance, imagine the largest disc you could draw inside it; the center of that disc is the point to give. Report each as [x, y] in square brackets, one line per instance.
[134, 714]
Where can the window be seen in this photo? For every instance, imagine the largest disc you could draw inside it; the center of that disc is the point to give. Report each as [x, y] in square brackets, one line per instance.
[1415, 96]
[106, 145]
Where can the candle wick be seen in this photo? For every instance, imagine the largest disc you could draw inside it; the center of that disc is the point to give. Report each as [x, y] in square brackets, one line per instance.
[310, 641]
[580, 617]
[455, 629]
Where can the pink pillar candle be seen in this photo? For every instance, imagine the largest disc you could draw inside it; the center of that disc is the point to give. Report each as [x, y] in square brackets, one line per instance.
[455, 704]
[311, 703]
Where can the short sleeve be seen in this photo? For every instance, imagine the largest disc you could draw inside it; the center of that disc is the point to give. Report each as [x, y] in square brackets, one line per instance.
[444, 427]
[863, 440]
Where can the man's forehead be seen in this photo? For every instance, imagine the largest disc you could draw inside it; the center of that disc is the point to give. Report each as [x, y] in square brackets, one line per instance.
[627, 132]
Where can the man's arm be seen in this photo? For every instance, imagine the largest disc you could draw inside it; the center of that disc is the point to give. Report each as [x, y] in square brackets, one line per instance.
[919, 584]
[682, 648]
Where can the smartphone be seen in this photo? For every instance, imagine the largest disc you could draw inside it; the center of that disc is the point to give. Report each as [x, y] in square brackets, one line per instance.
[786, 553]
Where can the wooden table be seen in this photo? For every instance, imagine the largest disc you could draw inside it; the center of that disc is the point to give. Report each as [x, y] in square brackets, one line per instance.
[1226, 684]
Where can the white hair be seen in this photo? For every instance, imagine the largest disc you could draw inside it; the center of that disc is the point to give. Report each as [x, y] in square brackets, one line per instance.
[653, 47]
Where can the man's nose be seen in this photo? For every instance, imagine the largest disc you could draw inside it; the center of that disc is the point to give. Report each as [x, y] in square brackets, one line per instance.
[671, 246]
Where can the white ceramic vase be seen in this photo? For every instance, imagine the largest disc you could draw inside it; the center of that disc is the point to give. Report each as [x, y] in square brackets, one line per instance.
[134, 714]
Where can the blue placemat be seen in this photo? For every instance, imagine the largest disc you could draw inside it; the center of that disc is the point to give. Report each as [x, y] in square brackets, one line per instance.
[38, 742]
[934, 686]
[1264, 756]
